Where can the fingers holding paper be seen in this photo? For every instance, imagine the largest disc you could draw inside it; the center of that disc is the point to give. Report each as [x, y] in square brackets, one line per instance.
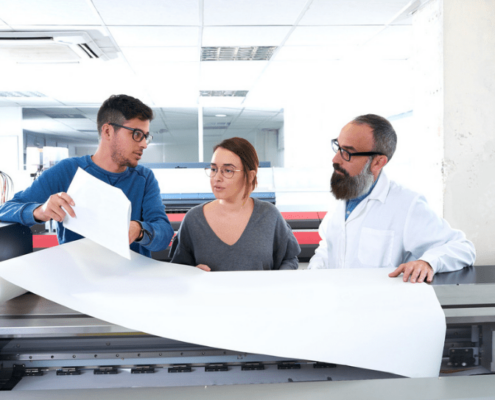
[204, 267]
[415, 271]
[56, 208]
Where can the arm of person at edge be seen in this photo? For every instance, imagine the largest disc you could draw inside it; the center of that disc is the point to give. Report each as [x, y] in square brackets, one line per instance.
[287, 249]
[180, 252]
[154, 220]
[437, 247]
[41, 201]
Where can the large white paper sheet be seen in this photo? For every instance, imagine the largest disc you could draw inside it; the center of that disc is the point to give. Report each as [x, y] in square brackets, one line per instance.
[103, 213]
[360, 318]
[9, 291]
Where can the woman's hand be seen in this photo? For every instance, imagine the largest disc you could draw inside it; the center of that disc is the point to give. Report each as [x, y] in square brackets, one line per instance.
[203, 267]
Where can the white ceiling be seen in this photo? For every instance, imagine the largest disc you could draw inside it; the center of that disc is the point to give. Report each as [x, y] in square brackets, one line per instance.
[157, 46]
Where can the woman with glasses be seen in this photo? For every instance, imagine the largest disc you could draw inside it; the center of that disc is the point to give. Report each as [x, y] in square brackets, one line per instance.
[235, 231]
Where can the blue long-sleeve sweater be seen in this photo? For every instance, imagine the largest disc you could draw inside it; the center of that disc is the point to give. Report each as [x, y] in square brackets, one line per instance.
[138, 184]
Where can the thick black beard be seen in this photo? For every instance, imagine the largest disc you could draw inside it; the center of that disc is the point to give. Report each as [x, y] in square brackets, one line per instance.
[346, 187]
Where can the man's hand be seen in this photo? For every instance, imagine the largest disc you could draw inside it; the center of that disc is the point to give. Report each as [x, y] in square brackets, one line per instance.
[134, 231]
[52, 209]
[416, 270]
[203, 267]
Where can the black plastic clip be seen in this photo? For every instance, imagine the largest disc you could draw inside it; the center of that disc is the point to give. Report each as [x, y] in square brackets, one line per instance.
[324, 365]
[180, 368]
[289, 365]
[106, 370]
[252, 366]
[143, 369]
[216, 367]
[69, 371]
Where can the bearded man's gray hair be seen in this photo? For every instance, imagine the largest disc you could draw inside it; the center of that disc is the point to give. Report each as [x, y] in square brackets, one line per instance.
[384, 136]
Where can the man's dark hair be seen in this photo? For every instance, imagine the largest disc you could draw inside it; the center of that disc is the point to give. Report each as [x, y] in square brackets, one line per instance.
[384, 134]
[121, 108]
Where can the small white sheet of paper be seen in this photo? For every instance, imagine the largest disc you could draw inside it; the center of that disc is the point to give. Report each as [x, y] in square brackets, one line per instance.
[103, 213]
[360, 318]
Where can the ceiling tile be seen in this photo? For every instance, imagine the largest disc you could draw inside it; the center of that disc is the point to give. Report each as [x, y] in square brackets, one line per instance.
[4, 26]
[169, 83]
[394, 42]
[155, 36]
[331, 35]
[56, 12]
[174, 54]
[352, 12]
[253, 12]
[149, 12]
[310, 53]
[244, 36]
[8, 103]
[78, 123]
[230, 75]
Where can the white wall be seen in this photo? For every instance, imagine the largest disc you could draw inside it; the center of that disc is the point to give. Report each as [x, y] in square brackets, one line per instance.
[11, 140]
[469, 121]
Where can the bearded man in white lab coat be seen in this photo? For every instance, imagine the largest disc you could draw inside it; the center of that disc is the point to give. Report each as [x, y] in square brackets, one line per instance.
[380, 224]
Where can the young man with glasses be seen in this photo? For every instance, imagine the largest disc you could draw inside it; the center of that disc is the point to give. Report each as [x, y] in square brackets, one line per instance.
[123, 129]
[380, 224]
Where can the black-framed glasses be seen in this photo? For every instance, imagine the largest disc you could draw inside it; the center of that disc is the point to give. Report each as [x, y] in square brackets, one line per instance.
[227, 172]
[347, 156]
[137, 134]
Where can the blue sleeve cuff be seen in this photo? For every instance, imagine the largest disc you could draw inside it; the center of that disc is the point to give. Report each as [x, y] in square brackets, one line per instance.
[149, 234]
[27, 216]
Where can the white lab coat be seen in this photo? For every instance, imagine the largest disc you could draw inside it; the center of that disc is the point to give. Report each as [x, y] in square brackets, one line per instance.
[391, 226]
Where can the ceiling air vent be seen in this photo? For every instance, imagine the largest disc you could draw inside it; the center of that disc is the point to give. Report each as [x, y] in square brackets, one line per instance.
[255, 53]
[223, 93]
[49, 47]
[67, 116]
[21, 94]
[216, 125]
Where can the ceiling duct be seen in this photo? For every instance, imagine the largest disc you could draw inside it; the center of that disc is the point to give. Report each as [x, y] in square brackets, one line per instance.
[49, 47]
[254, 53]
[223, 93]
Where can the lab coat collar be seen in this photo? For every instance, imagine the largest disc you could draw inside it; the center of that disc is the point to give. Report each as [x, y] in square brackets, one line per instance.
[381, 188]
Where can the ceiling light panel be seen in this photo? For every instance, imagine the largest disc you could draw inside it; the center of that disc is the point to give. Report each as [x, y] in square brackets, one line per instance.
[149, 12]
[156, 36]
[167, 54]
[244, 36]
[253, 12]
[351, 12]
[331, 35]
[230, 75]
[56, 12]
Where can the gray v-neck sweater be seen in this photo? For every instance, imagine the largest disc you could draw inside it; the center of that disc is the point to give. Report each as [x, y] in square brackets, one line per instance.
[266, 243]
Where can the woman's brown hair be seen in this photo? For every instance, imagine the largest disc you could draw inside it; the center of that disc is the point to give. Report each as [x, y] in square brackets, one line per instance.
[247, 153]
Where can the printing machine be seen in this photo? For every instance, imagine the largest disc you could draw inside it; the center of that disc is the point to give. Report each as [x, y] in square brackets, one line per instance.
[47, 347]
